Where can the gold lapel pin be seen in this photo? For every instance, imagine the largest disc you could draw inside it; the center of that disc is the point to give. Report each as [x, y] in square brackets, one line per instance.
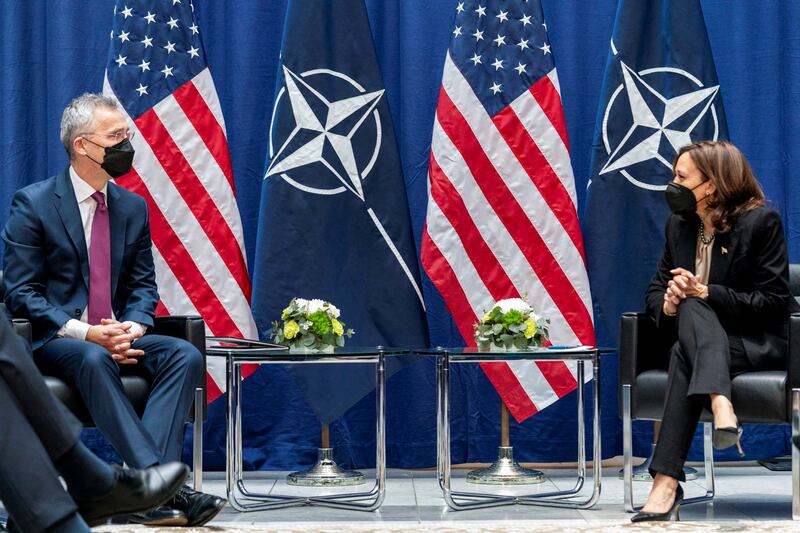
[724, 250]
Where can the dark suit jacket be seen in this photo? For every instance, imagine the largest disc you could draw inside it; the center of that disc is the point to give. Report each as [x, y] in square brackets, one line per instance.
[46, 264]
[748, 283]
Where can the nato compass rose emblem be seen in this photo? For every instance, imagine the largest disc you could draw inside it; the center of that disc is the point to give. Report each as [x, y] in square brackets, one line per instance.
[334, 143]
[659, 125]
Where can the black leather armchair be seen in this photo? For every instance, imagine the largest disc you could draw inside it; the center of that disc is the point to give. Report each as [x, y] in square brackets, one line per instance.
[137, 388]
[761, 397]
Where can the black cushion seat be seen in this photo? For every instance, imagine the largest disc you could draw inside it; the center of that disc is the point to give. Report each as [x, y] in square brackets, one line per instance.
[759, 397]
[137, 389]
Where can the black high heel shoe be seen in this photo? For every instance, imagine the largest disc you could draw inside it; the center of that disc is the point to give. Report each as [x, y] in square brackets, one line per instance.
[672, 515]
[724, 438]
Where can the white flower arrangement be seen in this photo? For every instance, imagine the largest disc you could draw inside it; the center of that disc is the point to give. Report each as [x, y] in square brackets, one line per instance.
[511, 324]
[310, 324]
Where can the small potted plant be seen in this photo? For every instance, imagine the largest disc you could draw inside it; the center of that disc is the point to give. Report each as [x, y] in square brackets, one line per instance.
[511, 324]
[311, 325]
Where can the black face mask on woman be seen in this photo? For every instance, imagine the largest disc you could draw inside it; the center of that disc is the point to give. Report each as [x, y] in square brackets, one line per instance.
[681, 199]
[118, 159]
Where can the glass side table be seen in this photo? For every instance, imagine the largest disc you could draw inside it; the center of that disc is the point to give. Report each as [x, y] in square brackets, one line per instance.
[245, 353]
[570, 498]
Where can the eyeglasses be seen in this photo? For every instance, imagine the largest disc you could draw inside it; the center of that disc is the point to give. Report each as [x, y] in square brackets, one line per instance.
[117, 136]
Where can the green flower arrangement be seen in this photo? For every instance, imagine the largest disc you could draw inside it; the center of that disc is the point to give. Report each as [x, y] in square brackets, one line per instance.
[511, 324]
[310, 324]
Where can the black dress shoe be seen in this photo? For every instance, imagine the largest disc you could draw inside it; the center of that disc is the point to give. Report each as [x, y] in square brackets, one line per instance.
[159, 516]
[134, 491]
[198, 507]
[673, 514]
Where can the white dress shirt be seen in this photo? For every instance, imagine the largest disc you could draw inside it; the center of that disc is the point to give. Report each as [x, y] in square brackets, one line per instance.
[77, 329]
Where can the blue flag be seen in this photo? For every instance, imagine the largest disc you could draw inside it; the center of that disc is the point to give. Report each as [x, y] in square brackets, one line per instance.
[660, 93]
[334, 221]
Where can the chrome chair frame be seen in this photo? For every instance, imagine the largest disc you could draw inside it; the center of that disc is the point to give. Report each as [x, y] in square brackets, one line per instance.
[627, 457]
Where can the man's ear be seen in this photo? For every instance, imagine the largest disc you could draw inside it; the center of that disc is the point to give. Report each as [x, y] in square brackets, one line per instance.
[78, 145]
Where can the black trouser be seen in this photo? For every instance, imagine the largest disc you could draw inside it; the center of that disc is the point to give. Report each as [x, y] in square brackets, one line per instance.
[702, 362]
[34, 431]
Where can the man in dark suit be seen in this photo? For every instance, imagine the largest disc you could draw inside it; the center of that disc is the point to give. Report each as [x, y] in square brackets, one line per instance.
[78, 265]
[39, 441]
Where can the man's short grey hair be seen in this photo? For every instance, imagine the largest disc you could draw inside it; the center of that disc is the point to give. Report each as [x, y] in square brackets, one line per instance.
[78, 116]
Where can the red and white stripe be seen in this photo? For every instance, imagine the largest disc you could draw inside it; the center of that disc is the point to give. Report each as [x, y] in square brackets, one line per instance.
[182, 169]
[502, 223]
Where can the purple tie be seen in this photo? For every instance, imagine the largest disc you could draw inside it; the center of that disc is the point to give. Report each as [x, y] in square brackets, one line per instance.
[99, 264]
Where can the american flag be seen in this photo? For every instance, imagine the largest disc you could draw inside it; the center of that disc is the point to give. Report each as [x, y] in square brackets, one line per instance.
[502, 219]
[157, 70]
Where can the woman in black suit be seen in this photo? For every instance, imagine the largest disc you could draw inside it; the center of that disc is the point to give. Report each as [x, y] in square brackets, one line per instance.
[723, 285]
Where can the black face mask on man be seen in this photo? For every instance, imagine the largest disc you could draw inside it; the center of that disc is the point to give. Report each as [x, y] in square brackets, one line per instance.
[681, 199]
[118, 159]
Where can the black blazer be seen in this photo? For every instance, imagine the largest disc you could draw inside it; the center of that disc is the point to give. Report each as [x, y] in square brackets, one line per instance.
[748, 283]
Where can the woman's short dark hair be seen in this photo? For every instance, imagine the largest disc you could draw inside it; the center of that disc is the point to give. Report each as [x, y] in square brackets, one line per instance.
[727, 168]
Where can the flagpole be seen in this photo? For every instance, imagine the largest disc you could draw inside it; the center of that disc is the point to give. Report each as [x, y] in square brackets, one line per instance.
[326, 436]
[505, 438]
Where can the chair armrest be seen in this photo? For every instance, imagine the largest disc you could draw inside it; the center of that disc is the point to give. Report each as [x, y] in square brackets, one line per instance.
[793, 352]
[643, 346]
[23, 328]
[189, 328]
[634, 328]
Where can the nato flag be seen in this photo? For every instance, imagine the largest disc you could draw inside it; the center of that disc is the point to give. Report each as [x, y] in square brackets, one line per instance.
[660, 93]
[334, 221]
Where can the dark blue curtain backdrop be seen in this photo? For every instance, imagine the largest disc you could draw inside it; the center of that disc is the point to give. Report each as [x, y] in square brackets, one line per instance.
[52, 50]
